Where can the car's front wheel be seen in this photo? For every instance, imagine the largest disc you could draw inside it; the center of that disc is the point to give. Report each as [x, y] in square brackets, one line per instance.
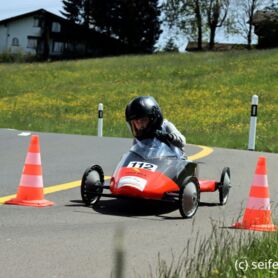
[189, 197]
[92, 185]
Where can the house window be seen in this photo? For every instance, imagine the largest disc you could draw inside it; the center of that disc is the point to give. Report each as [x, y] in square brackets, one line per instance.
[56, 27]
[58, 47]
[15, 42]
[32, 43]
[69, 46]
[38, 22]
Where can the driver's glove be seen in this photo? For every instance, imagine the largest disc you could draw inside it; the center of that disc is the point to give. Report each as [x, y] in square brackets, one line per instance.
[164, 136]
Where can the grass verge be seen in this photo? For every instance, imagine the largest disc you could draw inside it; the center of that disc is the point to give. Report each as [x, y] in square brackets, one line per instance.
[226, 253]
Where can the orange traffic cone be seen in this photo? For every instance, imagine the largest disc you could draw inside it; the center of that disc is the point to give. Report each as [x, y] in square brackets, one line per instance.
[257, 215]
[30, 190]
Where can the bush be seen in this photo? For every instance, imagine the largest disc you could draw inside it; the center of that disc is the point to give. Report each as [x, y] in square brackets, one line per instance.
[18, 57]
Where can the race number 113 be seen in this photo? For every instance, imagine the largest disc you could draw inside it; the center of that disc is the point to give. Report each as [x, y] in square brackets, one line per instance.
[142, 165]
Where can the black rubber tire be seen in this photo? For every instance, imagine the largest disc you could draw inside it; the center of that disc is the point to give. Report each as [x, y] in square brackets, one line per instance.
[189, 197]
[91, 185]
[224, 186]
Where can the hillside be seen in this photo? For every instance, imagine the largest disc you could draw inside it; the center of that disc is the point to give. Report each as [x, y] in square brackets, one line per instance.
[207, 95]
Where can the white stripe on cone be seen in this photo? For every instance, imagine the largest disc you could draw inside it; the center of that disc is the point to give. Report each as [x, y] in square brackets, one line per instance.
[33, 158]
[260, 181]
[258, 203]
[31, 181]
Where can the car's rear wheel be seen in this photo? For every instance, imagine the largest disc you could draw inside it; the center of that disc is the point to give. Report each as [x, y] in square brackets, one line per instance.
[189, 197]
[92, 185]
[224, 186]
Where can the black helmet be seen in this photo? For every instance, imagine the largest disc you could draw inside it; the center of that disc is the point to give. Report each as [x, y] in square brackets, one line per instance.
[141, 107]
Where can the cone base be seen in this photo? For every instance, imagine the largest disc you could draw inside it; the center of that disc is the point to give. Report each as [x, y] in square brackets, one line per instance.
[261, 228]
[29, 203]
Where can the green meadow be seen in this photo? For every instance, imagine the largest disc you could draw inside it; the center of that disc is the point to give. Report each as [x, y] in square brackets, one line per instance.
[206, 95]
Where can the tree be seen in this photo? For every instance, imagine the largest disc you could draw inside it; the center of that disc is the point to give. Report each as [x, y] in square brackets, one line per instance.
[135, 23]
[272, 6]
[187, 16]
[245, 17]
[73, 10]
[195, 17]
[170, 46]
[266, 26]
[217, 11]
[100, 14]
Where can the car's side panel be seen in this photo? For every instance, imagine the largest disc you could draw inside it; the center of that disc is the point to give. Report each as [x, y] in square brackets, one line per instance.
[189, 169]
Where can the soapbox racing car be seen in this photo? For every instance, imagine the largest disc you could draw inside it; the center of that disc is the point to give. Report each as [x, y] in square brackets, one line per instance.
[153, 170]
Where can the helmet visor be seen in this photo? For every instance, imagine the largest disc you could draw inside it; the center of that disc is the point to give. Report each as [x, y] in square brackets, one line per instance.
[139, 127]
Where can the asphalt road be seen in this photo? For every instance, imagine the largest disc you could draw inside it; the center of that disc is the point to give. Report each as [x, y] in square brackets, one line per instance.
[71, 240]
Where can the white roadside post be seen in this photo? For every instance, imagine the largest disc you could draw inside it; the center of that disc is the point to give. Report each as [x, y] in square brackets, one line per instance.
[253, 123]
[100, 120]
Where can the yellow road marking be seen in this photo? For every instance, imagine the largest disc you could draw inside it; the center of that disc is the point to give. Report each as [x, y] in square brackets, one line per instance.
[204, 152]
[61, 187]
[6, 198]
[65, 186]
[49, 189]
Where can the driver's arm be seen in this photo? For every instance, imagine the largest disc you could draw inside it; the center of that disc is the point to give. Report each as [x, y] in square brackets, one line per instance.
[173, 135]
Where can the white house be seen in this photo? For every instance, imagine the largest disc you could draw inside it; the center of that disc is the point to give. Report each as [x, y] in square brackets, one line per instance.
[47, 35]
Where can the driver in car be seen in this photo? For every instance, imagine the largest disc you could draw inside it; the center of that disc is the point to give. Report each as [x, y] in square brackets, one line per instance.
[145, 120]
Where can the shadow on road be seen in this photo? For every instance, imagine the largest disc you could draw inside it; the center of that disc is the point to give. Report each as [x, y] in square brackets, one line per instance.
[137, 208]
[130, 208]
[205, 204]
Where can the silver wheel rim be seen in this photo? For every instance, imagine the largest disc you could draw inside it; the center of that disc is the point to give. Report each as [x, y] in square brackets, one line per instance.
[190, 199]
[92, 179]
[226, 187]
